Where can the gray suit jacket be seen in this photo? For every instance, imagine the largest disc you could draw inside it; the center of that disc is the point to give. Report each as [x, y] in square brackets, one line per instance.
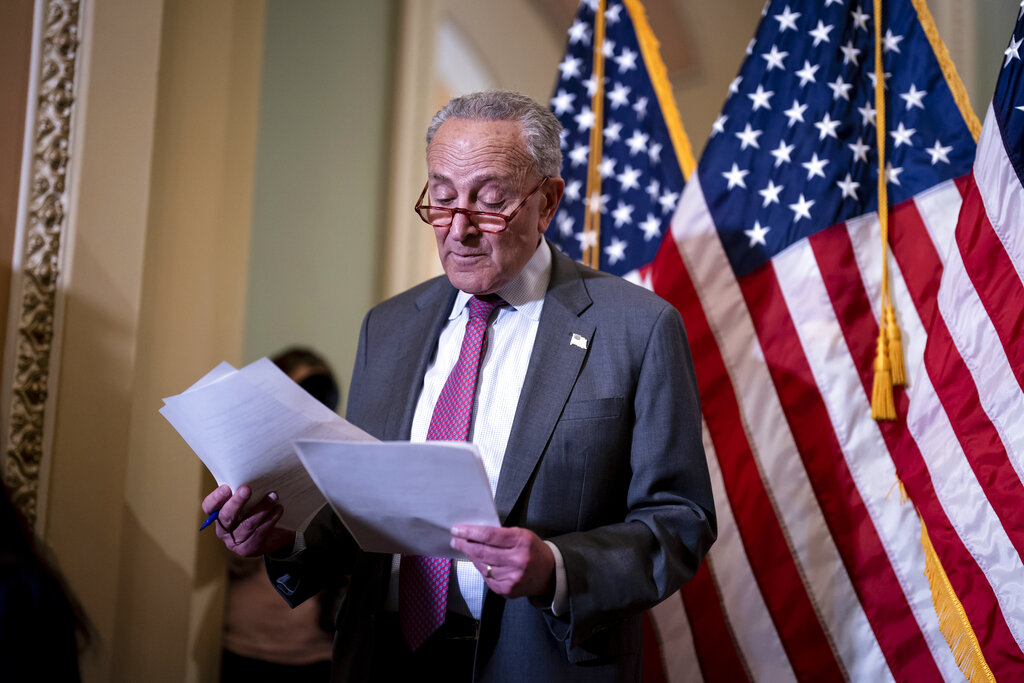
[605, 460]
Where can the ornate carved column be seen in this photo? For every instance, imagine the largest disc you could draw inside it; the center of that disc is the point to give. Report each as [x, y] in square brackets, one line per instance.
[30, 386]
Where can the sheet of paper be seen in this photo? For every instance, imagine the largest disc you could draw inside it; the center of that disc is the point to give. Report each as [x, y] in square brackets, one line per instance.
[402, 497]
[241, 424]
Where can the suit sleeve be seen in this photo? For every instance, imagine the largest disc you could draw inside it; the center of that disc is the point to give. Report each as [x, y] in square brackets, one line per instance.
[617, 570]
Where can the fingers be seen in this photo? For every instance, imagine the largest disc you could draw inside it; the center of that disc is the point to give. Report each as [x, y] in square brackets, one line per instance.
[230, 509]
[216, 499]
[514, 562]
[247, 531]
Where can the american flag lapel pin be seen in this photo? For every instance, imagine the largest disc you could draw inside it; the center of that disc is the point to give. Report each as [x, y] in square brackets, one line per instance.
[578, 340]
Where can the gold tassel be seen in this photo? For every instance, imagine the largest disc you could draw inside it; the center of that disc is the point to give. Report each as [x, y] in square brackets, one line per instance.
[882, 405]
[892, 331]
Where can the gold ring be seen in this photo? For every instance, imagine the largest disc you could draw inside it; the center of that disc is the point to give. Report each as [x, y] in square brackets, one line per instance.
[488, 574]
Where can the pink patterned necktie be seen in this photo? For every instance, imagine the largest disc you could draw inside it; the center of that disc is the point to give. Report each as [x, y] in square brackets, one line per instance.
[423, 581]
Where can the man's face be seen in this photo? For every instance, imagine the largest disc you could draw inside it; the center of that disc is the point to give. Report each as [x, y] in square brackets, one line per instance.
[483, 166]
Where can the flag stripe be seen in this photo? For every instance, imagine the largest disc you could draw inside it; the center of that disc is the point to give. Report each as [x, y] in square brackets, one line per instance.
[855, 314]
[767, 546]
[719, 660]
[852, 528]
[993, 276]
[675, 641]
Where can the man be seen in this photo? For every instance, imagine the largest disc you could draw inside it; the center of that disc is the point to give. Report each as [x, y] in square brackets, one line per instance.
[585, 411]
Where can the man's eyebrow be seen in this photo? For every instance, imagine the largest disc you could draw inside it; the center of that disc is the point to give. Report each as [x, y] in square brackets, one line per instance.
[481, 180]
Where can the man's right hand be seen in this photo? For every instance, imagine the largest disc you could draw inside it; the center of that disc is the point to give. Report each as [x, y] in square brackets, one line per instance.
[252, 533]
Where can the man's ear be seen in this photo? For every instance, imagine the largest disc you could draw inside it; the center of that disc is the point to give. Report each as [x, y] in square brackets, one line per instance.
[551, 194]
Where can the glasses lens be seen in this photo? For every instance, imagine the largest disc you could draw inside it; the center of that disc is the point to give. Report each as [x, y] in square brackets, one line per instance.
[489, 223]
[437, 217]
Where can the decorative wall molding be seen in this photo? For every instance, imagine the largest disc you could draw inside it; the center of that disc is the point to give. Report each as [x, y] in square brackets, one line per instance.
[41, 234]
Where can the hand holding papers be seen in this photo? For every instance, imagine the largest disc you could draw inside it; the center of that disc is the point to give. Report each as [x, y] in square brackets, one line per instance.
[394, 497]
[401, 497]
[241, 424]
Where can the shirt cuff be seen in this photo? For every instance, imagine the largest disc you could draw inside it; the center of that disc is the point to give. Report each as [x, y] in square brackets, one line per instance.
[560, 603]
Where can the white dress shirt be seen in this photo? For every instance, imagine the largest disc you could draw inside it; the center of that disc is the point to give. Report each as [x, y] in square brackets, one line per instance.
[510, 338]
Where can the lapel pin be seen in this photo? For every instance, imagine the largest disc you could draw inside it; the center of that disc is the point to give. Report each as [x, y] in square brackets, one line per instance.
[579, 341]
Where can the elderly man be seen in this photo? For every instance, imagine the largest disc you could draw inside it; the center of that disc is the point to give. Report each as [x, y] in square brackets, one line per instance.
[578, 389]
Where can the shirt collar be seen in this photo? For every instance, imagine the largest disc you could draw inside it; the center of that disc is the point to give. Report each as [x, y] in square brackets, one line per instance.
[525, 292]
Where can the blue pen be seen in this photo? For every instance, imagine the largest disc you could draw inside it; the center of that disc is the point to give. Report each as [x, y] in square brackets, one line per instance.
[210, 520]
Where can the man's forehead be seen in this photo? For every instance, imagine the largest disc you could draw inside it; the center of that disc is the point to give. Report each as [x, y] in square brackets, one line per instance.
[485, 151]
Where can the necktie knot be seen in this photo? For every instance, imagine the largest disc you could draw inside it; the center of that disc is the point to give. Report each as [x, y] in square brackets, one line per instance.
[482, 306]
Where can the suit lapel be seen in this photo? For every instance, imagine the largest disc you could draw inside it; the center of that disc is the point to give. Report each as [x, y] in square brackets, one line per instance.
[425, 323]
[555, 363]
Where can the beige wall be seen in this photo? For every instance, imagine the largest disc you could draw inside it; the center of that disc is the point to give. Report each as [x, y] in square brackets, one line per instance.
[154, 297]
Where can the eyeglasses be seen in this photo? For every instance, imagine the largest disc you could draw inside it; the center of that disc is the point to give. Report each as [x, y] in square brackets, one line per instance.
[485, 221]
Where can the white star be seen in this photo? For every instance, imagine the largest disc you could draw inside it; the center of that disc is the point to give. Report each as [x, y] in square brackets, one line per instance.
[815, 166]
[787, 19]
[748, 138]
[562, 102]
[734, 86]
[806, 74]
[756, 234]
[760, 97]
[592, 4]
[860, 150]
[939, 153]
[565, 223]
[623, 214]
[820, 33]
[651, 227]
[608, 49]
[570, 67]
[840, 89]
[1021, 108]
[750, 46]
[585, 119]
[579, 32]
[616, 251]
[638, 142]
[607, 167]
[782, 152]
[802, 209]
[578, 155]
[891, 42]
[860, 19]
[874, 79]
[795, 113]
[629, 179]
[563, 138]
[612, 132]
[640, 107]
[668, 201]
[849, 187]
[587, 239]
[572, 189]
[591, 84]
[901, 136]
[827, 127]
[892, 175]
[719, 125]
[828, 3]
[735, 177]
[770, 193]
[619, 96]
[597, 202]
[850, 53]
[913, 97]
[867, 113]
[653, 188]
[655, 153]
[1012, 51]
[612, 14]
[775, 57]
[626, 60]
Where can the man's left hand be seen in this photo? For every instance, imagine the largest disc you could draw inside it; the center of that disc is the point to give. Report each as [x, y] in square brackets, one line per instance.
[514, 562]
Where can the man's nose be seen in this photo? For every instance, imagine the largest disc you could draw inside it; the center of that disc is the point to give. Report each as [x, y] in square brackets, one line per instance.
[462, 227]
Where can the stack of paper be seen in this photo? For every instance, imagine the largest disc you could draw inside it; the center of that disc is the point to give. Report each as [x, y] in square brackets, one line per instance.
[255, 426]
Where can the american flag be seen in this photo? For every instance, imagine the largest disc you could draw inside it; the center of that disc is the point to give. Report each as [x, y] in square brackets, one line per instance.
[821, 571]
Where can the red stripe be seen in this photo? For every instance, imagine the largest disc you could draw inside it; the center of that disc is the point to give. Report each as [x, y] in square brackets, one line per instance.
[994, 277]
[767, 547]
[716, 651]
[852, 529]
[834, 251]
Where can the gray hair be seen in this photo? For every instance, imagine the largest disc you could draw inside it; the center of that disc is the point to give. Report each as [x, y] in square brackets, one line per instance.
[541, 130]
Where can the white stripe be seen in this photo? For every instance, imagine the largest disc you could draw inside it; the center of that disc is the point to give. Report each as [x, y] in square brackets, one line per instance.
[676, 641]
[766, 427]
[1001, 191]
[750, 622]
